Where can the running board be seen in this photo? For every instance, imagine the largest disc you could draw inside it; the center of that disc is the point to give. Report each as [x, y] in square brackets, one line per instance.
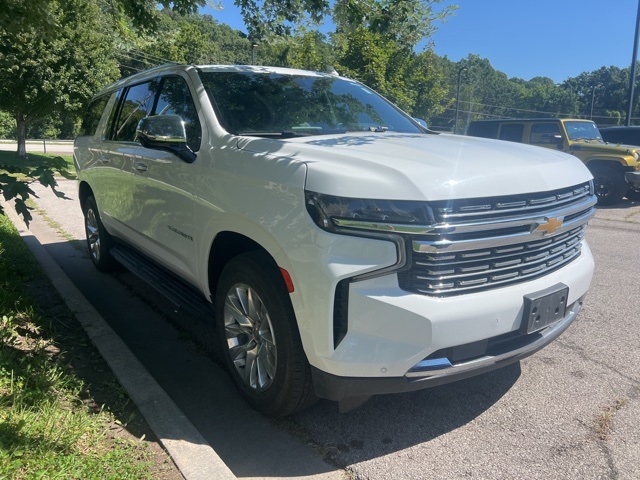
[182, 296]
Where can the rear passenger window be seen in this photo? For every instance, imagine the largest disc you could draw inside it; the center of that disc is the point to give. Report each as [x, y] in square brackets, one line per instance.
[543, 133]
[485, 130]
[93, 115]
[175, 99]
[137, 104]
[512, 132]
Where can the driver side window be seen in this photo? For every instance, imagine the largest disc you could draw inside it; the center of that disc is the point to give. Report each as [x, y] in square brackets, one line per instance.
[544, 133]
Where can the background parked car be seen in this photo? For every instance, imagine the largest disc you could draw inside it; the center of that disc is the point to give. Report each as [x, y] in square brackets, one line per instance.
[615, 168]
[621, 135]
[624, 136]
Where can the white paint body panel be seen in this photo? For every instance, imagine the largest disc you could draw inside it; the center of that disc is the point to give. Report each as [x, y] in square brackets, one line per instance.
[256, 187]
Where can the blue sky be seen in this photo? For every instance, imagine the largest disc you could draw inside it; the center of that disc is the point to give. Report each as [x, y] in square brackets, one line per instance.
[552, 38]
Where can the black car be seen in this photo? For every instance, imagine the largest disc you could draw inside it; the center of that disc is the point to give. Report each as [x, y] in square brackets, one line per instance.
[623, 135]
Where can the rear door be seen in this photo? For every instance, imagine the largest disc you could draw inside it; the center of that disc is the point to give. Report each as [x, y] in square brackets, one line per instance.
[511, 132]
[118, 154]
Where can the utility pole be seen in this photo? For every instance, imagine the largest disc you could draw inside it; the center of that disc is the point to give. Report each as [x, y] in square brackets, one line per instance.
[455, 126]
[253, 52]
[593, 98]
[634, 61]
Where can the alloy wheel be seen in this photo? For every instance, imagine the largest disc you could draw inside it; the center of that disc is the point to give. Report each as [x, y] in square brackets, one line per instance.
[250, 337]
[93, 234]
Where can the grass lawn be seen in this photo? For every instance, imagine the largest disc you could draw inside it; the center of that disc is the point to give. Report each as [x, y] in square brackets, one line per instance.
[61, 164]
[62, 413]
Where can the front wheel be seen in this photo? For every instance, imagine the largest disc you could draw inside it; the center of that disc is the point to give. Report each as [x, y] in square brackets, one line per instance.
[258, 337]
[99, 241]
[610, 185]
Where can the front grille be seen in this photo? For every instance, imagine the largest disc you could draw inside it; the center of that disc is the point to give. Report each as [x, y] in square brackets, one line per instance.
[489, 243]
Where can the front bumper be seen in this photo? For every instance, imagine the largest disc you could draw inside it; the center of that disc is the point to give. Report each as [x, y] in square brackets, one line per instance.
[498, 352]
[633, 179]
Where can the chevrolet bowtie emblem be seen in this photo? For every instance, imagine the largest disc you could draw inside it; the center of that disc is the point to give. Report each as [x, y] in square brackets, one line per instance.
[550, 226]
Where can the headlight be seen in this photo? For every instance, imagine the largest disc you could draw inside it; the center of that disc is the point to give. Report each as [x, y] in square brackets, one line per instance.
[334, 213]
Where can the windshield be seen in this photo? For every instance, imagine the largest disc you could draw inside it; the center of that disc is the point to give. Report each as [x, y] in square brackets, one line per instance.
[270, 104]
[582, 131]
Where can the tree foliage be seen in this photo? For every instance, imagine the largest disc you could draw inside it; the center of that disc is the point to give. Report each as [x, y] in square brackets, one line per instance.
[48, 69]
[406, 22]
[54, 72]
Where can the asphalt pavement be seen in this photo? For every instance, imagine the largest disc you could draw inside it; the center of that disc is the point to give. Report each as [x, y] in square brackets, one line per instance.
[571, 411]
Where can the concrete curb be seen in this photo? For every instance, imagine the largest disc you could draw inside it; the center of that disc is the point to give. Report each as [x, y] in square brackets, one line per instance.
[191, 453]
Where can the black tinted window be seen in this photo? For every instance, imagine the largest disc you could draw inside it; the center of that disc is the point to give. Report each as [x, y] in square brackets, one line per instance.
[485, 130]
[628, 137]
[512, 132]
[137, 104]
[544, 132]
[93, 115]
[175, 99]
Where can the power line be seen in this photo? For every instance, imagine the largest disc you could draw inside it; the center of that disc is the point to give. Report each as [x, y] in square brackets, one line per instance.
[514, 109]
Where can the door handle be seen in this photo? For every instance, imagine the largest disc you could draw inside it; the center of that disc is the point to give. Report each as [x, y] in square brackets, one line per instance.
[141, 167]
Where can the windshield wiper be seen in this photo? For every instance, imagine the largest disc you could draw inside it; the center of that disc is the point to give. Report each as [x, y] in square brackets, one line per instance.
[378, 129]
[285, 134]
[290, 133]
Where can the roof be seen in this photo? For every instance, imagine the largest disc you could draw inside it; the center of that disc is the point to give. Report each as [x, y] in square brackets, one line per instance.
[622, 128]
[173, 67]
[550, 119]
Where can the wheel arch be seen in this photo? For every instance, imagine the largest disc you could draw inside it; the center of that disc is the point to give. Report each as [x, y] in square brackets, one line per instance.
[84, 192]
[611, 163]
[614, 162]
[226, 246]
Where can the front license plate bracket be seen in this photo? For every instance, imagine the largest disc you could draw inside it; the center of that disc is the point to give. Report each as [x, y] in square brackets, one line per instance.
[543, 308]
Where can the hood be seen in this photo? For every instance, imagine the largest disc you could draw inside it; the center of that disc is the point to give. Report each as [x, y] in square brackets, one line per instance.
[605, 147]
[399, 166]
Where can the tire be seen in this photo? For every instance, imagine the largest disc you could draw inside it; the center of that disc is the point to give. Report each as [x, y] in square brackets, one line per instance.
[610, 185]
[99, 242]
[258, 337]
[633, 194]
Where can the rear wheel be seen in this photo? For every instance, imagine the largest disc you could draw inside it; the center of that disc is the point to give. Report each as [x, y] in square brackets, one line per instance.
[258, 337]
[609, 184]
[99, 241]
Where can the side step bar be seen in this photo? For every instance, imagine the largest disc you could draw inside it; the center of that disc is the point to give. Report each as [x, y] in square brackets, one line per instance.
[182, 296]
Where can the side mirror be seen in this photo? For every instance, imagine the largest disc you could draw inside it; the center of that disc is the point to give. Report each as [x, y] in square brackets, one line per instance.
[558, 140]
[165, 132]
[423, 123]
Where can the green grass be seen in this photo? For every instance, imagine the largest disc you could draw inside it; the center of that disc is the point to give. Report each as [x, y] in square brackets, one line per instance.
[49, 426]
[61, 164]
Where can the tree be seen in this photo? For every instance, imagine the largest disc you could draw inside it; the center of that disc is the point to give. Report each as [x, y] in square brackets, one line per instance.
[611, 94]
[406, 22]
[541, 97]
[48, 72]
[18, 15]
[45, 72]
[375, 43]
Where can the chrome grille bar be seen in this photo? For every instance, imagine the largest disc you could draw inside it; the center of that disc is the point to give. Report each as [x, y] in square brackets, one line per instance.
[471, 249]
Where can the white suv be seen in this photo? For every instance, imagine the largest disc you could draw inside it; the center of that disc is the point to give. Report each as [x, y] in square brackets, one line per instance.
[343, 249]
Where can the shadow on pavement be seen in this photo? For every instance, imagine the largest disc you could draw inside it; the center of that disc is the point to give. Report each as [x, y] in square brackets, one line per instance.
[168, 344]
[389, 423]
